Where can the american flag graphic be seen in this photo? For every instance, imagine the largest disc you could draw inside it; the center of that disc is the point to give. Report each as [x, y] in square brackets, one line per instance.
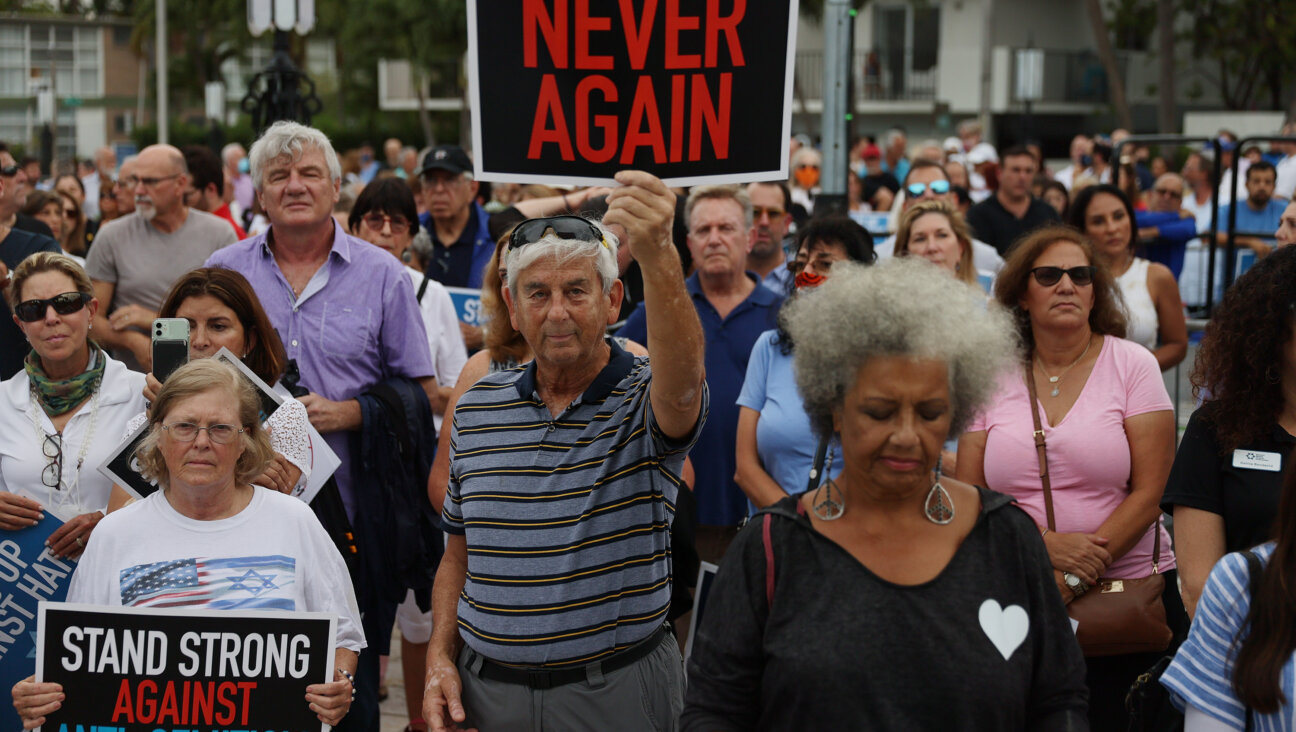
[234, 583]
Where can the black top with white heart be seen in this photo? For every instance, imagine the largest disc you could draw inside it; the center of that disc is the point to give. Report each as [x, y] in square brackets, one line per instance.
[986, 645]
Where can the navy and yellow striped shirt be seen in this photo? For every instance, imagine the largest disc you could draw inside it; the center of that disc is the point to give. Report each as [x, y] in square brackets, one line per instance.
[566, 519]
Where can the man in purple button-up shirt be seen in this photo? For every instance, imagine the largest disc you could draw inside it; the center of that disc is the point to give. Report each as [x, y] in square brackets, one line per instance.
[344, 309]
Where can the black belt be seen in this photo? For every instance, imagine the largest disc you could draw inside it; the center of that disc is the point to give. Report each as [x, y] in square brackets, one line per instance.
[537, 678]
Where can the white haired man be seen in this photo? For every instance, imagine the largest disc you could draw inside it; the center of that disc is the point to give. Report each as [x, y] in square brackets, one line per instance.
[550, 604]
[135, 258]
[347, 315]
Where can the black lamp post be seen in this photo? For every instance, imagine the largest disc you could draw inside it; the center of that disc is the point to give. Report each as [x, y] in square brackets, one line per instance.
[281, 91]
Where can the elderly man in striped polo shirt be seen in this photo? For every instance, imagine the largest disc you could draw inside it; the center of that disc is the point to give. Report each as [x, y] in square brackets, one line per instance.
[550, 604]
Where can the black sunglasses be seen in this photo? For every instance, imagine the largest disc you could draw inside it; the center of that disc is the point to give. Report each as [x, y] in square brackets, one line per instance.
[9, 171]
[1049, 276]
[67, 303]
[564, 227]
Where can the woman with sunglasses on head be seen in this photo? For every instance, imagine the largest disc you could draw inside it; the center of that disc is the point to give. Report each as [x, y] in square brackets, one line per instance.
[776, 447]
[224, 312]
[63, 415]
[1153, 306]
[1093, 485]
[386, 216]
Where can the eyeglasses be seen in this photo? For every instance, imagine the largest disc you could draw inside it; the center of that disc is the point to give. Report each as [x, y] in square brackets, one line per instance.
[132, 181]
[375, 222]
[1167, 192]
[939, 187]
[9, 171]
[564, 227]
[773, 212]
[67, 303]
[188, 432]
[1049, 276]
[52, 448]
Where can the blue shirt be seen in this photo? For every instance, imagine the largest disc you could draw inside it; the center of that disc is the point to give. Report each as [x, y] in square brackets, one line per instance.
[778, 281]
[1202, 671]
[785, 441]
[567, 518]
[1249, 221]
[729, 342]
[355, 324]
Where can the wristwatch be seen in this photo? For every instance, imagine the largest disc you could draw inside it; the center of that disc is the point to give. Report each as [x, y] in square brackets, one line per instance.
[1075, 584]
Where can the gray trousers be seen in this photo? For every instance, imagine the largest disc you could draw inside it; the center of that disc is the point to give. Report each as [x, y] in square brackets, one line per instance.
[647, 695]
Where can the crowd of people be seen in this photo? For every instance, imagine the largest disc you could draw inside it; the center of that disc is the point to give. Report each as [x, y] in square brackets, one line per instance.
[925, 455]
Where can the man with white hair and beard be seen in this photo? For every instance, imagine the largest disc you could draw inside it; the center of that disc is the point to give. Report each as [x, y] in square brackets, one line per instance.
[135, 258]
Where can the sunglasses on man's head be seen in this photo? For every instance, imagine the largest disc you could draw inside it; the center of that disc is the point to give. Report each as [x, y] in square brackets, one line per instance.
[939, 187]
[564, 227]
[67, 303]
[1049, 276]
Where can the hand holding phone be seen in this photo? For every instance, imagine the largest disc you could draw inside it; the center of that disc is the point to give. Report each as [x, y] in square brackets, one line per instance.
[170, 346]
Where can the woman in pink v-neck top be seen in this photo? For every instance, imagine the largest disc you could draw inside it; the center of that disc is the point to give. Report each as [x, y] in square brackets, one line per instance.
[1109, 434]
[1088, 451]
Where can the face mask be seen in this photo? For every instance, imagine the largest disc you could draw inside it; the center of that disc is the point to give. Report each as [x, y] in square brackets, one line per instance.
[809, 278]
[1086, 160]
[807, 177]
[244, 166]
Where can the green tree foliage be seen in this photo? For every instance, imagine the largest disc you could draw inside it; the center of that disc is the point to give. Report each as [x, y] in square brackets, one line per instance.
[1252, 46]
[203, 35]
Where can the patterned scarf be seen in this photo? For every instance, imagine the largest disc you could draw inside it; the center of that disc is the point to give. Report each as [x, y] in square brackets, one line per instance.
[57, 397]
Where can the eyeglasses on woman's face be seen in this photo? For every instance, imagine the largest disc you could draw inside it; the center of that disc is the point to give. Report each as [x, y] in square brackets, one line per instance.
[1049, 276]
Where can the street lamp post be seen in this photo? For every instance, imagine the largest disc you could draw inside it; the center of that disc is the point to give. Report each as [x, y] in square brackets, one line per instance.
[282, 91]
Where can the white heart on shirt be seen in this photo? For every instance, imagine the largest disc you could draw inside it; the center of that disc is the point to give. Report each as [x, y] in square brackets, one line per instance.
[1006, 627]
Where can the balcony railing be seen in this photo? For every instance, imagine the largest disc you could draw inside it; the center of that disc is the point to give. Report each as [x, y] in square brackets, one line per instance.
[1076, 76]
[870, 81]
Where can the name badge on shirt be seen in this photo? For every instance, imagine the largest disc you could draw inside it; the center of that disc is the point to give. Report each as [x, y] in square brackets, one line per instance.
[1255, 460]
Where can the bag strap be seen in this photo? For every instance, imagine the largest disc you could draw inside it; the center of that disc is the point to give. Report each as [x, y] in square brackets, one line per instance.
[769, 559]
[1040, 451]
[422, 288]
[1042, 454]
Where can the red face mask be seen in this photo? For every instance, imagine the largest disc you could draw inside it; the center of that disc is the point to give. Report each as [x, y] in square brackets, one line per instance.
[809, 278]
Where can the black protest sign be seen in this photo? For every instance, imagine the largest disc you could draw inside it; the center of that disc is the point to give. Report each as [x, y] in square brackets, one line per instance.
[571, 91]
[136, 670]
[123, 469]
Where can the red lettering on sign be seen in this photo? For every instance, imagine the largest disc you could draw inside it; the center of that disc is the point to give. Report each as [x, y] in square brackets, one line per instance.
[638, 34]
[222, 698]
[606, 122]
[674, 24]
[715, 25]
[677, 118]
[168, 708]
[549, 106]
[644, 110]
[584, 25]
[536, 16]
[246, 688]
[717, 120]
[204, 699]
[123, 711]
[146, 707]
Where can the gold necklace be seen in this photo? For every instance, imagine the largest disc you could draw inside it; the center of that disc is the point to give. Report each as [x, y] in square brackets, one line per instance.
[1055, 379]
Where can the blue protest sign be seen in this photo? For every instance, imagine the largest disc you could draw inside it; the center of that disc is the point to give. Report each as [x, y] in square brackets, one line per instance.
[28, 575]
[467, 304]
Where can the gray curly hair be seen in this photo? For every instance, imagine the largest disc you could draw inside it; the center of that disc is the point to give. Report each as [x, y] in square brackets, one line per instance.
[899, 307]
[290, 139]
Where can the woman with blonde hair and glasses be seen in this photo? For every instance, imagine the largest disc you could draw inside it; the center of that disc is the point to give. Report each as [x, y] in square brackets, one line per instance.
[64, 413]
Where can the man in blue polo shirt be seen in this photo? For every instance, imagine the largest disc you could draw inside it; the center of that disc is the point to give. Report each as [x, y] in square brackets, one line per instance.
[1259, 214]
[734, 310]
[550, 603]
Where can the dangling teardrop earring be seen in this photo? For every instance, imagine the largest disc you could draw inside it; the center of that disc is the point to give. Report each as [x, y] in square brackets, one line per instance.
[828, 503]
[939, 506]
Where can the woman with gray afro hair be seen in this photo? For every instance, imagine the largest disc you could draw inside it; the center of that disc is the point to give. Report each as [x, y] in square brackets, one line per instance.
[900, 307]
[890, 596]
